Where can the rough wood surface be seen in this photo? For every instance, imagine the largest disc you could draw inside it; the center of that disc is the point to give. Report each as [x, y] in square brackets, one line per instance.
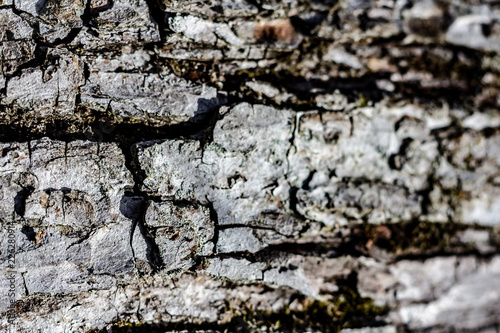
[250, 165]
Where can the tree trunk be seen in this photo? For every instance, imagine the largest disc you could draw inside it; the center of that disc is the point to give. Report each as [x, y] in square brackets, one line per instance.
[250, 165]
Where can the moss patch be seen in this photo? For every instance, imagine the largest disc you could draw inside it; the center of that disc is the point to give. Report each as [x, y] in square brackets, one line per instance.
[346, 310]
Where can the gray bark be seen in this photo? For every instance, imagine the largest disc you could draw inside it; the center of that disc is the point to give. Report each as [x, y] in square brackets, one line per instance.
[237, 165]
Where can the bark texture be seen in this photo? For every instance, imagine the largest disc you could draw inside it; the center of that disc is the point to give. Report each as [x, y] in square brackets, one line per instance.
[250, 165]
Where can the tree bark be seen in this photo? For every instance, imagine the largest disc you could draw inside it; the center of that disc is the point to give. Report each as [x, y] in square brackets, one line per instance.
[237, 165]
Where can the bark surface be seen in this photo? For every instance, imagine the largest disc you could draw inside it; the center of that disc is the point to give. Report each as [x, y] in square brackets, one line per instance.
[250, 165]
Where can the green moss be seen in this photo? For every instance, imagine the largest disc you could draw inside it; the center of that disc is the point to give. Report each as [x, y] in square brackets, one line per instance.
[362, 101]
[347, 310]
[124, 325]
[66, 230]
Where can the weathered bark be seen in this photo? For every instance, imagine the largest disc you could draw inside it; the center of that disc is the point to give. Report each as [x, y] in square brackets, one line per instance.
[239, 165]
